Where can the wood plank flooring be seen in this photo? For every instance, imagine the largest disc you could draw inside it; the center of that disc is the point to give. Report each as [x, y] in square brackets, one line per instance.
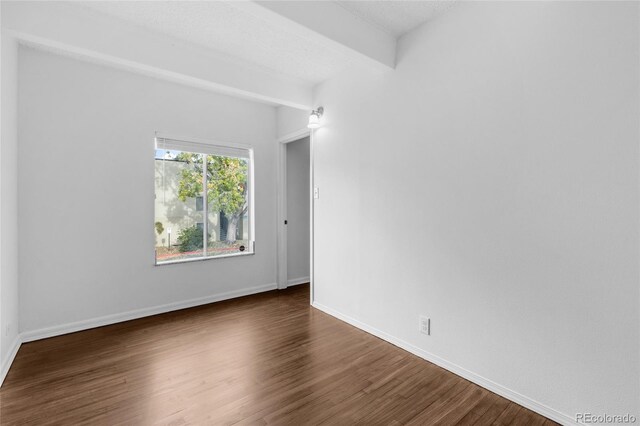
[258, 360]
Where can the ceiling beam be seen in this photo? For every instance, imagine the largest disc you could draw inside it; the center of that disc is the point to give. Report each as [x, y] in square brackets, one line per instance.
[330, 24]
[86, 35]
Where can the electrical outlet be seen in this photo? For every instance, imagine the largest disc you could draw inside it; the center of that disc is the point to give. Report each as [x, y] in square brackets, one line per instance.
[316, 192]
[424, 325]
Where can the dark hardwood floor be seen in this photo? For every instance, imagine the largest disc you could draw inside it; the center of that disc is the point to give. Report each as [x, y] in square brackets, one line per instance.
[262, 359]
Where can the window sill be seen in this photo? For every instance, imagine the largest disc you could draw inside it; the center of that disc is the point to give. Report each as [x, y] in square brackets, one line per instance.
[200, 259]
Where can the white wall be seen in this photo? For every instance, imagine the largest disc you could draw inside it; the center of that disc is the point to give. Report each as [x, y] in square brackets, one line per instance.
[298, 211]
[508, 135]
[8, 205]
[86, 162]
[290, 120]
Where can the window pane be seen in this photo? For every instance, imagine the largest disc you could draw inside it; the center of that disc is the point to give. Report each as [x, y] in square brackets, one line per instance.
[202, 200]
[178, 221]
[227, 195]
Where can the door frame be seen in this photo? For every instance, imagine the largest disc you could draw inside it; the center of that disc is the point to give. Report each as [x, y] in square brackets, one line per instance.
[281, 161]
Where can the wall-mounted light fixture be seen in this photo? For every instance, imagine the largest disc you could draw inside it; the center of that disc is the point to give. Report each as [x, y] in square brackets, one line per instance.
[314, 118]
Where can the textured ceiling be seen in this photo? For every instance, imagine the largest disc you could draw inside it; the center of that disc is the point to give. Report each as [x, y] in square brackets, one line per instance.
[397, 17]
[220, 26]
[228, 29]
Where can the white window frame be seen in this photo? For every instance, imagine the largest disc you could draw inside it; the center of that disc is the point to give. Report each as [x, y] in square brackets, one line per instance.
[209, 147]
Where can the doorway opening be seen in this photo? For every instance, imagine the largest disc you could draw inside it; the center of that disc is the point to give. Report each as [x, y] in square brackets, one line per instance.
[295, 216]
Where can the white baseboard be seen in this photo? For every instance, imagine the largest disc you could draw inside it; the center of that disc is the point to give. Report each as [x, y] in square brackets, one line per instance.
[296, 281]
[6, 364]
[456, 369]
[57, 330]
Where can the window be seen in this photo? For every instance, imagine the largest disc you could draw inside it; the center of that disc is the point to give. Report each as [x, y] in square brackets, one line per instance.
[203, 205]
